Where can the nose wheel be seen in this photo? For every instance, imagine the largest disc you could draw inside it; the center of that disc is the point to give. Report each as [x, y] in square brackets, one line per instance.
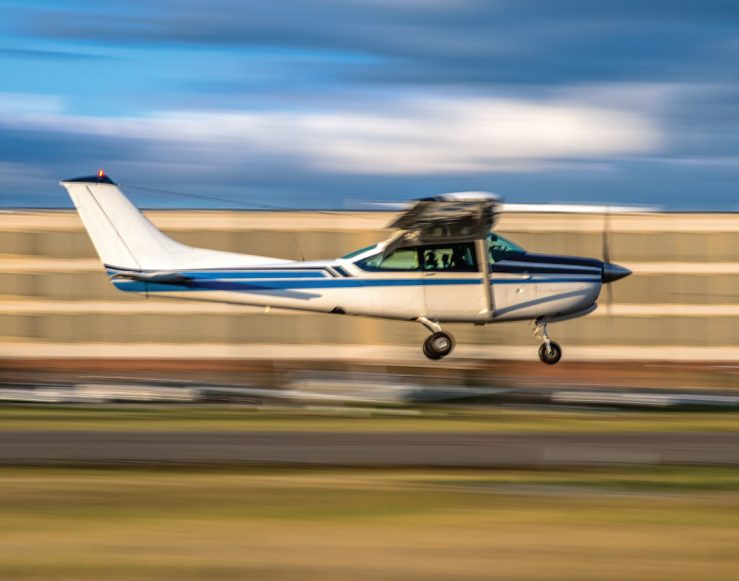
[439, 344]
[550, 351]
[550, 354]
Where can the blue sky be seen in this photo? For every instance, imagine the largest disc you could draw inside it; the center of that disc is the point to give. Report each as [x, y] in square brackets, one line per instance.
[327, 103]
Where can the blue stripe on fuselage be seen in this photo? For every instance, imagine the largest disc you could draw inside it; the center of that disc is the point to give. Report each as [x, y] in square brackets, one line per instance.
[262, 286]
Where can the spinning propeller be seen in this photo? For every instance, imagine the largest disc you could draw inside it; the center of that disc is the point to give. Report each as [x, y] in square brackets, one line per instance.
[606, 252]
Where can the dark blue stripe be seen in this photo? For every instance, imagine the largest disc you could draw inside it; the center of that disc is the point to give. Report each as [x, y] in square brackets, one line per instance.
[219, 274]
[555, 260]
[206, 285]
[537, 269]
[341, 271]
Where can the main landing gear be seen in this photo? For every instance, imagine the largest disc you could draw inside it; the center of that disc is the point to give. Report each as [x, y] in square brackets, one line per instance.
[439, 344]
[550, 352]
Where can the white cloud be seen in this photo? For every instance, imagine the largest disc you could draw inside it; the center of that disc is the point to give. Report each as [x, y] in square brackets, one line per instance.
[422, 136]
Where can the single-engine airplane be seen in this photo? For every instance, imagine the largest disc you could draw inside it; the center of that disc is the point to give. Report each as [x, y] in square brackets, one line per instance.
[442, 264]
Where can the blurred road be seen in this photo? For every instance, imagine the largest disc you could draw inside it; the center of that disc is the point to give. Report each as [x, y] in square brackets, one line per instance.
[417, 449]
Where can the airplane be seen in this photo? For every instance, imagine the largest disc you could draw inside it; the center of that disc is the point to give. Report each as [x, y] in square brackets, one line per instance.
[442, 264]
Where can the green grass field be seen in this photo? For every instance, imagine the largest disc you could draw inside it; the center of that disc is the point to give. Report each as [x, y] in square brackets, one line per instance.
[654, 524]
[145, 418]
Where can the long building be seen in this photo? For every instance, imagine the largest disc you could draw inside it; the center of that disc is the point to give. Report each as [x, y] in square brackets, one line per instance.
[682, 303]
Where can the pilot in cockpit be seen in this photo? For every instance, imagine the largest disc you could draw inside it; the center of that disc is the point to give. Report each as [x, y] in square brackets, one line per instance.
[431, 261]
[459, 261]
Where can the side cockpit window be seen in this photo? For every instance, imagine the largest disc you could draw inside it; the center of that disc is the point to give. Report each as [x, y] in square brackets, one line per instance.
[436, 258]
[403, 259]
[450, 258]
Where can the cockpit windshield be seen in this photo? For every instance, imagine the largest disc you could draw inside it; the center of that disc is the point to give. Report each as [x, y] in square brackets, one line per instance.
[499, 247]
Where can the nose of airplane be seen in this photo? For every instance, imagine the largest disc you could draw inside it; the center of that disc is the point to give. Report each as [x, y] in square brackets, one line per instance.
[612, 272]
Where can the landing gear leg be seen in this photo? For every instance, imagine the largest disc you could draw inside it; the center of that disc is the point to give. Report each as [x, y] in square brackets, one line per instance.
[439, 344]
[549, 352]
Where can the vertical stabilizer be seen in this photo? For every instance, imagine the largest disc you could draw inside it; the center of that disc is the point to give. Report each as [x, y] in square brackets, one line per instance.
[123, 236]
[125, 239]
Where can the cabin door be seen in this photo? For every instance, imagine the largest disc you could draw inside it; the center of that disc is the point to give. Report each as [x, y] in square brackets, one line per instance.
[452, 282]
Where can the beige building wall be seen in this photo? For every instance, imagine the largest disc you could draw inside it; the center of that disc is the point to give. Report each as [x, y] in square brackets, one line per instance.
[55, 300]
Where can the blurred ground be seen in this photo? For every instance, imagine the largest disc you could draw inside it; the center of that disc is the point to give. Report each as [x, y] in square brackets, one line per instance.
[261, 487]
[354, 448]
[437, 419]
[653, 524]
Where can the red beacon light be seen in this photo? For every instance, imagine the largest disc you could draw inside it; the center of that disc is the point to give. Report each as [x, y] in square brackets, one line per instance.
[101, 173]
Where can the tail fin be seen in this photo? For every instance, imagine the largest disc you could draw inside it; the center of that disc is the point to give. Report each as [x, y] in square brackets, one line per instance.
[125, 239]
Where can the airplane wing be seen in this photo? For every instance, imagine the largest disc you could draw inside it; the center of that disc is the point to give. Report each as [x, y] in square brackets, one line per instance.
[459, 216]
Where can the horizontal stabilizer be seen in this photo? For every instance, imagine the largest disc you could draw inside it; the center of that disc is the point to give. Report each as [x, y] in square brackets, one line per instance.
[162, 277]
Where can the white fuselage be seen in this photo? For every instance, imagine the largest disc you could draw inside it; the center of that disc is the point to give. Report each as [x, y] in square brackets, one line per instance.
[524, 288]
[433, 270]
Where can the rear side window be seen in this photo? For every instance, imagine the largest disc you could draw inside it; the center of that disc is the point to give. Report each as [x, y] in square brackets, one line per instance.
[399, 260]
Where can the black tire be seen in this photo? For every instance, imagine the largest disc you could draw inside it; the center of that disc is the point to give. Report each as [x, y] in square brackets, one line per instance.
[429, 354]
[438, 345]
[552, 355]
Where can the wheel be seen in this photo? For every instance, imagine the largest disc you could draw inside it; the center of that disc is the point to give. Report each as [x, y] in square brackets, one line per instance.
[552, 355]
[438, 345]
